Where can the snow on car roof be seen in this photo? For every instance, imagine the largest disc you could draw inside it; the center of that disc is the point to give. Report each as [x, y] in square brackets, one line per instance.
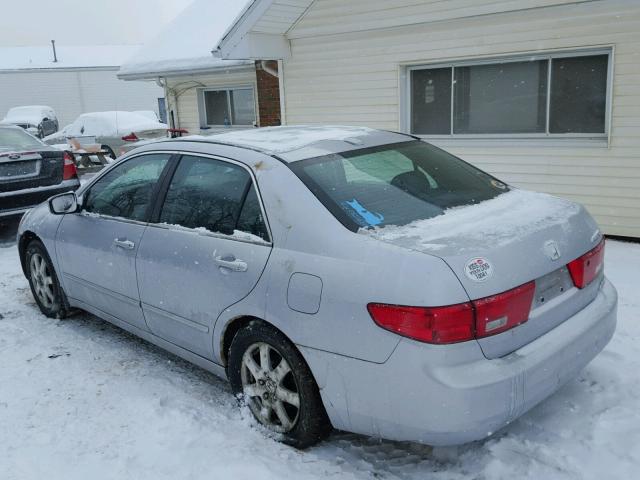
[279, 140]
[27, 114]
[113, 123]
[40, 57]
[185, 45]
[29, 108]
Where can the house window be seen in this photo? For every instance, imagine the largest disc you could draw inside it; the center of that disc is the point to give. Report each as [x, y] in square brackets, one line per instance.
[539, 96]
[230, 106]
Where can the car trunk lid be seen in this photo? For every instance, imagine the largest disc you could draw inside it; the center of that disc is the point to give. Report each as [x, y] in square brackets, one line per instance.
[151, 134]
[505, 242]
[22, 170]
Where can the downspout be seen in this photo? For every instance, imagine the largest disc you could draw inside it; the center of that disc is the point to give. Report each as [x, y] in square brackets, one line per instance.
[265, 66]
[283, 116]
[162, 83]
[168, 93]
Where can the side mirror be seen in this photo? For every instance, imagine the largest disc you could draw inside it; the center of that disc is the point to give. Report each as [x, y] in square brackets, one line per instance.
[63, 203]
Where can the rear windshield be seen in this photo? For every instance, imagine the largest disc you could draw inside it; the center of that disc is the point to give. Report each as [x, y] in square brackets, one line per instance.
[394, 184]
[16, 139]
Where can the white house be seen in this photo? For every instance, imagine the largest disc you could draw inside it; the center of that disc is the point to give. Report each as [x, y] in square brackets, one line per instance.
[544, 94]
[205, 94]
[83, 79]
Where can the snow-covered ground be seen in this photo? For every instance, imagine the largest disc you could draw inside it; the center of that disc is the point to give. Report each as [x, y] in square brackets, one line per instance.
[81, 399]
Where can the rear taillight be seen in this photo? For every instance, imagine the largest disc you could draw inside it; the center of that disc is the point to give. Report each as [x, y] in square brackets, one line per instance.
[450, 324]
[506, 310]
[586, 268]
[132, 137]
[69, 170]
[457, 323]
[177, 132]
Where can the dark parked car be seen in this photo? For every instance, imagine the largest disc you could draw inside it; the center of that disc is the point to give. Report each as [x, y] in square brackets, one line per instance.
[31, 171]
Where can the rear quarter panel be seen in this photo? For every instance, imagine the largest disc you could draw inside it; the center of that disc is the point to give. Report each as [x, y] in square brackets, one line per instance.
[354, 270]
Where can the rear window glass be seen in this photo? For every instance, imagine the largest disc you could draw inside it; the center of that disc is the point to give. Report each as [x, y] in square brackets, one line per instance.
[394, 184]
[15, 139]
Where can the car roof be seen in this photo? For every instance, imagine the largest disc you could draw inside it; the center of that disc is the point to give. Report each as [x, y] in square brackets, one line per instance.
[293, 143]
[29, 108]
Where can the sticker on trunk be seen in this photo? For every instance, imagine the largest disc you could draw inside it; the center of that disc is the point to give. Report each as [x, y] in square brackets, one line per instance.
[478, 269]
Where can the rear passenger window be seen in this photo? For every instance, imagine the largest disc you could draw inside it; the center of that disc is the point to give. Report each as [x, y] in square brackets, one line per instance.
[210, 194]
[251, 220]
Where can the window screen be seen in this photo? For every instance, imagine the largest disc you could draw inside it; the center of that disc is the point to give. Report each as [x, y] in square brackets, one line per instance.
[242, 106]
[578, 94]
[431, 101]
[217, 107]
[502, 98]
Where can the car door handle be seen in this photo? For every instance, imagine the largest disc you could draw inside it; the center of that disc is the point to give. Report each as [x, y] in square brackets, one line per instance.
[126, 244]
[232, 264]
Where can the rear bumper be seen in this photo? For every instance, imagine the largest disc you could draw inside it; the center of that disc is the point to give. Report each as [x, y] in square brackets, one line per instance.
[449, 395]
[19, 201]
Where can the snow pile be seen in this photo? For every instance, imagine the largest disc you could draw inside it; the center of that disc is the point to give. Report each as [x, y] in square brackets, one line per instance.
[504, 219]
[186, 43]
[286, 139]
[236, 235]
[81, 399]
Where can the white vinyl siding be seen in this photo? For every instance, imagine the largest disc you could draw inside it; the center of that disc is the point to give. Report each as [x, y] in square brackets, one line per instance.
[189, 87]
[377, 14]
[280, 15]
[72, 92]
[355, 78]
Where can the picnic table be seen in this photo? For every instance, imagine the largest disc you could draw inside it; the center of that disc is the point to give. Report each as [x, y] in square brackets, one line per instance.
[87, 154]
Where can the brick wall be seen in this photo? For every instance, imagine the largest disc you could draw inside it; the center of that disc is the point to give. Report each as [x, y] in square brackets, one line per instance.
[268, 96]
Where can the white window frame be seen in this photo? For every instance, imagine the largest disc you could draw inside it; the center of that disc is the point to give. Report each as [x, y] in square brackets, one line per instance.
[202, 110]
[406, 114]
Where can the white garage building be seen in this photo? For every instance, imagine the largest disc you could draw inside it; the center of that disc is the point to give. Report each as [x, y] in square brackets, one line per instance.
[82, 80]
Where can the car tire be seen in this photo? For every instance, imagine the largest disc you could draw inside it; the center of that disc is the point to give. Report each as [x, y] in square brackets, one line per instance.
[43, 281]
[40, 132]
[272, 390]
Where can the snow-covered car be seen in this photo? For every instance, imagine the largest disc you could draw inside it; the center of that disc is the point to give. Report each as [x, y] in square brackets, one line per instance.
[31, 171]
[111, 129]
[38, 120]
[150, 114]
[338, 276]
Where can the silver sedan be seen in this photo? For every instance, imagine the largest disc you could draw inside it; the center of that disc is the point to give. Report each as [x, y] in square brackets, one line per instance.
[338, 276]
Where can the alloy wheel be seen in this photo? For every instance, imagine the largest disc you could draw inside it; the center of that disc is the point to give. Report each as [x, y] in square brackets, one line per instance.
[269, 387]
[42, 280]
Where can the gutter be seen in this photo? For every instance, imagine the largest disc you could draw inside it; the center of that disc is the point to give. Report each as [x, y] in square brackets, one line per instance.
[152, 75]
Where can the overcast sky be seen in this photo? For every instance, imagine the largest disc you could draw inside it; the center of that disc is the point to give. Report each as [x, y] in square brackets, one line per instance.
[84, 22]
